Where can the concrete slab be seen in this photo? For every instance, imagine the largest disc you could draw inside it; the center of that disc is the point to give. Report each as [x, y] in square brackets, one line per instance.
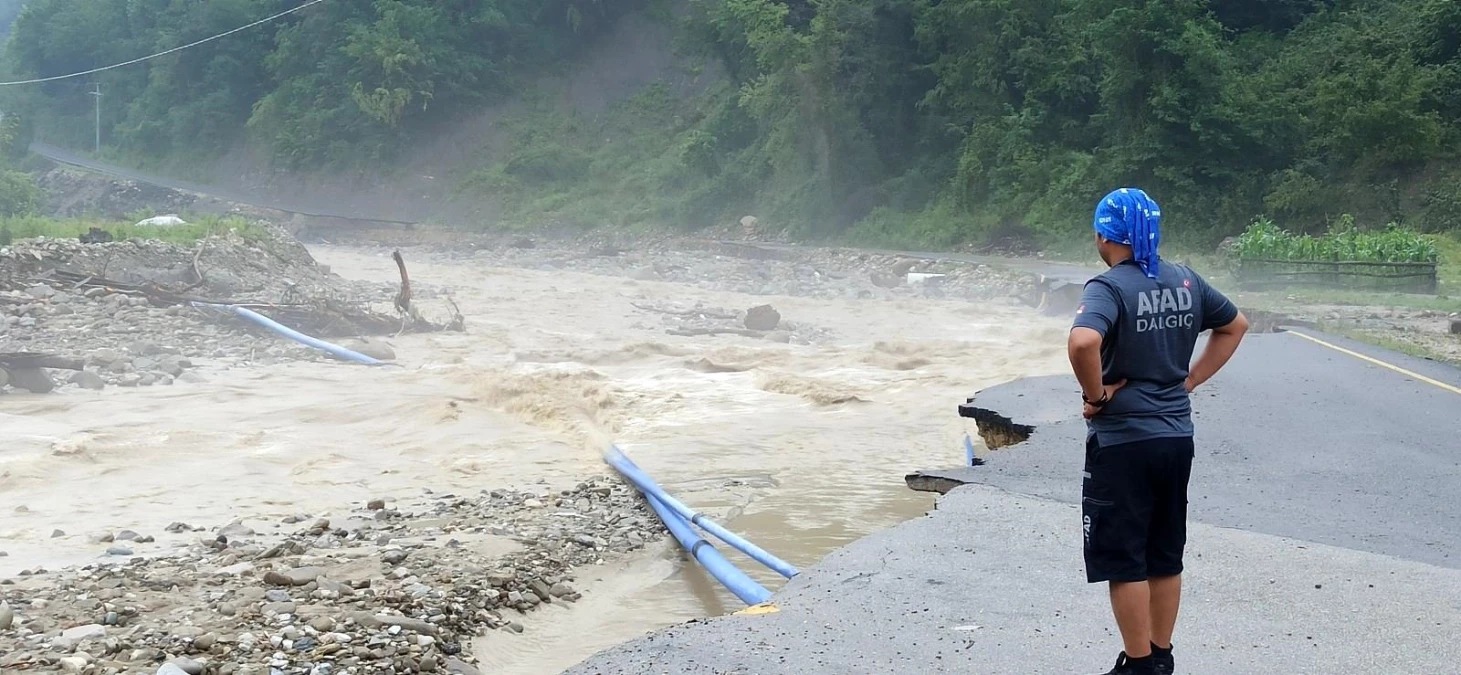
[992, 582]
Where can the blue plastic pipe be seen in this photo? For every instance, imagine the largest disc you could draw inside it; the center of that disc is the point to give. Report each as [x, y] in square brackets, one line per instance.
[295, 335]
[727, 574]
[641, 480]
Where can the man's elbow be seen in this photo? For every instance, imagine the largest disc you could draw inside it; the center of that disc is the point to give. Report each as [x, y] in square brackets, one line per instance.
[1084, 340]
[1237, 327]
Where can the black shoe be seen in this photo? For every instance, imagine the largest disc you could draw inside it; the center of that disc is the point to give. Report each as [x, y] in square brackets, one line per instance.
[1162, 660]
[1126, 666]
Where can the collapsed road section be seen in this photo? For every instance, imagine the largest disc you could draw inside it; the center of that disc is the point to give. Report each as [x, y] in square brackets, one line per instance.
[1322, 499]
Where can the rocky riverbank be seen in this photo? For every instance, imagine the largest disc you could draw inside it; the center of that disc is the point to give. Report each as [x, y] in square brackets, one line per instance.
[385, 588]
[758, 270]
[121, 312]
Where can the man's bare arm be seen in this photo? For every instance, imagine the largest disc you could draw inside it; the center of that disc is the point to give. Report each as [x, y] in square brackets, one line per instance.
[1085, 359]
[1220, 348]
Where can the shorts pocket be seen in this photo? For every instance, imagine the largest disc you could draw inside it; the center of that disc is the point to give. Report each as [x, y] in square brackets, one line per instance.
[1092, 513]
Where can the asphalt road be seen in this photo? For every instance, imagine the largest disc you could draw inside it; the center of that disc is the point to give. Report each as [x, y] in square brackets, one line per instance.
[1323, 541]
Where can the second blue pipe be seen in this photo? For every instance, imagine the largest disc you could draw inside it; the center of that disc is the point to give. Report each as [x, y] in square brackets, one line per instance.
[641, 480]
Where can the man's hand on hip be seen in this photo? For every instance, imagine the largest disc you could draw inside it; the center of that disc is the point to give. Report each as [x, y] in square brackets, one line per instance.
[1094, 407]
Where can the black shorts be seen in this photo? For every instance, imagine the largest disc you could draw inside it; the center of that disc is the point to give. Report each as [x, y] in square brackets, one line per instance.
[1134, 508]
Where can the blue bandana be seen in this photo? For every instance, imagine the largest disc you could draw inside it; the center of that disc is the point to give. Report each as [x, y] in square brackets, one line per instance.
[1127, 216]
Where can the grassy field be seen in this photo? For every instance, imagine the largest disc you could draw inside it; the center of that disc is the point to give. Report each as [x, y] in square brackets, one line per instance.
[29, 227]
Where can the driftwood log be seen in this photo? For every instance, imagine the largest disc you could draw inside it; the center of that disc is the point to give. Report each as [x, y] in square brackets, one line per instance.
[24, 360]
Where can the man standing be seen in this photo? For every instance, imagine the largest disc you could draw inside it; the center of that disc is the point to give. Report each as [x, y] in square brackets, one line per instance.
[1131, 347]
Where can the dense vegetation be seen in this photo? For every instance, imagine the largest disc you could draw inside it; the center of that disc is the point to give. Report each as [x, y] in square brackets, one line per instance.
[1264, 240]
[339, 83]
[909, 121]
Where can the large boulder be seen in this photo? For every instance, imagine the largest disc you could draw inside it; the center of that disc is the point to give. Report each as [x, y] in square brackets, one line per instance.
[762, 317]
[35, 380]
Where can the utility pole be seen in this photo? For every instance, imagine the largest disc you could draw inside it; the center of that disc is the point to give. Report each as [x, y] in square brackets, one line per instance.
[97, 94]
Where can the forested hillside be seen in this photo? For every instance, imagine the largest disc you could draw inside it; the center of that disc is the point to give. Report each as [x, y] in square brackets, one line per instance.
[927, 121]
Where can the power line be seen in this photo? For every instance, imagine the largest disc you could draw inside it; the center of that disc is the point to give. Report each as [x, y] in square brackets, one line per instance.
[174, 50]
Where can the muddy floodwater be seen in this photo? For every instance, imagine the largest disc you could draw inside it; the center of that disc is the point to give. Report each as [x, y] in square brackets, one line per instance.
[800, 447]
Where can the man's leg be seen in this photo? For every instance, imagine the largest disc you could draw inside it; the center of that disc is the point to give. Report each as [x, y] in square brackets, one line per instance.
[1131, 602]
[1116, 506]
[1166, 595]
[1171, 470]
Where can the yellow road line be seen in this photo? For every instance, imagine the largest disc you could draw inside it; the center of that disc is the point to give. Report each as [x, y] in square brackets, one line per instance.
[1413, 375]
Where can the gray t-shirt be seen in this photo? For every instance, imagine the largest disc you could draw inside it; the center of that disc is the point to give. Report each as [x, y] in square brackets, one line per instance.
[1150, 329]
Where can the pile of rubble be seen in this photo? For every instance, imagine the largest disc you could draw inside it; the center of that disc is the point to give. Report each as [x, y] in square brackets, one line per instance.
[136, 312]
[385, 589]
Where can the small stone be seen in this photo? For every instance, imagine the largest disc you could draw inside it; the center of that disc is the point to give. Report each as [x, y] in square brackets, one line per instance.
[40, 292]
[382, 620]
[79, 634]
[456, 666]
[376, 504]
[7, 616]
[119, 550]
[74, 664]
[170, 669]
[515, 626]
[428, 665]
[373, 348]
[302, 575]
[323, 624]
[236, 530]
[179, 527]
[188, 666]
[88, 380]
[126, 535]
[584, 540]
[393, 556]
[560, 589]
[278, 608]
[205, 641]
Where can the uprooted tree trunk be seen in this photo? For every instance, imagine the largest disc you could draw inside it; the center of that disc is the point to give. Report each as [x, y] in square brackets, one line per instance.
[410, 316]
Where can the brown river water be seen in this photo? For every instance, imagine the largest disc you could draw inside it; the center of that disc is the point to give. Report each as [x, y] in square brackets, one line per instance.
[800, 448]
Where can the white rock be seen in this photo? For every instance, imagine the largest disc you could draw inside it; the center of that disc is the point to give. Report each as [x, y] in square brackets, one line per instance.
[169, 220]
[82, 633]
